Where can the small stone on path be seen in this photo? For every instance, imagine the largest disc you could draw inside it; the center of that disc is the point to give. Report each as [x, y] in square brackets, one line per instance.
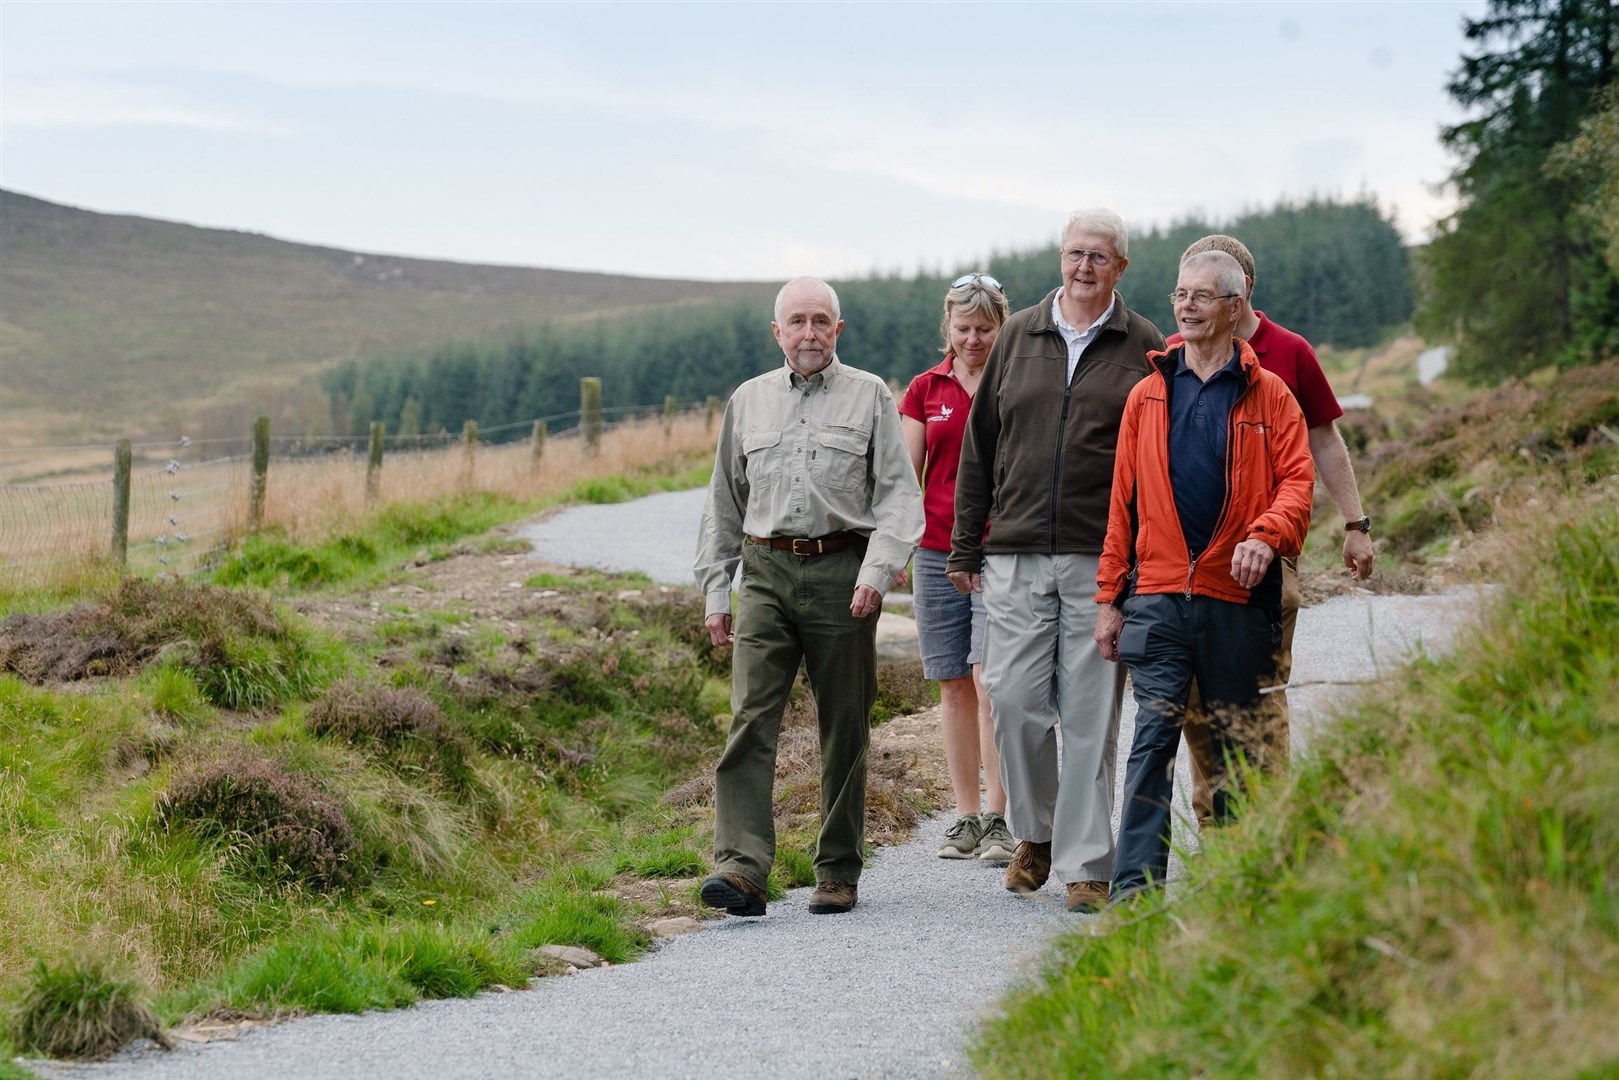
[674, 927]
[572, 954]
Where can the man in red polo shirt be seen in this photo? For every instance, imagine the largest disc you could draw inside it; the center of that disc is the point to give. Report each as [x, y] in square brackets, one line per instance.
[1289, 356]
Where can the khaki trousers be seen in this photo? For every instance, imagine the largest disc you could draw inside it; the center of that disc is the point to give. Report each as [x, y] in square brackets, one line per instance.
[1270, 751]
[1043, 673]
[791, 609]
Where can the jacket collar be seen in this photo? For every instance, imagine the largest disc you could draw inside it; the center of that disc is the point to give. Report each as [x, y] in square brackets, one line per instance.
[1167, 361]
[1042, 323]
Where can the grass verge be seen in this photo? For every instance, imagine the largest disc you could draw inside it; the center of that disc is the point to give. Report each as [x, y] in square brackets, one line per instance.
[1434, 892]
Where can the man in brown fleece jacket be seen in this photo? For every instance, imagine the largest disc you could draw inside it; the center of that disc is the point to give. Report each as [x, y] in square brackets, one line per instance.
[1037, 471]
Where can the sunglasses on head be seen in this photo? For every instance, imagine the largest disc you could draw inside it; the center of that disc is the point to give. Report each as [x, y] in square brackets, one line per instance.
[968, 279]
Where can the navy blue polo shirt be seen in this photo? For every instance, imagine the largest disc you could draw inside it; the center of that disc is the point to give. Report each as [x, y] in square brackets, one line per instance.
[1199, 417]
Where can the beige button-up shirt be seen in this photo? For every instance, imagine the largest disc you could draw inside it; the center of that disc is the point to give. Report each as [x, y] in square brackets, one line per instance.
[809, 457]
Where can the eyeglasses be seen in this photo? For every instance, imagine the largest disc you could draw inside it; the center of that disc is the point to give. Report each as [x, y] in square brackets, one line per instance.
[968, 279]
[1079, 255]
[1199, 298]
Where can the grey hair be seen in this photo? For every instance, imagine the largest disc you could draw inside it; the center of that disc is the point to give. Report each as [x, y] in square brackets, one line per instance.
[837, 312]
[1098, 219]
[976, 295]
[1228, 275]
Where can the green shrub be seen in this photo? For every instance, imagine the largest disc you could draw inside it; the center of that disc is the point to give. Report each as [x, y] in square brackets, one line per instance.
[81, 1009]
[279, 825]
[902, 689]
[403, 724]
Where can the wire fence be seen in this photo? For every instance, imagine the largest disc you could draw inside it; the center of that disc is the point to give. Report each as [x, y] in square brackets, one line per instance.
[188, 500]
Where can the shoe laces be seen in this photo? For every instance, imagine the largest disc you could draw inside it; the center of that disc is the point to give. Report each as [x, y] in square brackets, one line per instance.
[959, 828]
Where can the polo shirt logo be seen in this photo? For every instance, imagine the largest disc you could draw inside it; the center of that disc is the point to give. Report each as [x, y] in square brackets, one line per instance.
[944, 414]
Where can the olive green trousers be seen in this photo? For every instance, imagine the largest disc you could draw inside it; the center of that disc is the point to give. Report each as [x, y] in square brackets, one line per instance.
[792, 610]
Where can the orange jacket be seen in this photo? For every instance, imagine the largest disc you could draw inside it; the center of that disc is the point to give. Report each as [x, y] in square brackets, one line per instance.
[1270, 481]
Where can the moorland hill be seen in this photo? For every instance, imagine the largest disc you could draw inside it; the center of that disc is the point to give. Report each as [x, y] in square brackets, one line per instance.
[116, 323]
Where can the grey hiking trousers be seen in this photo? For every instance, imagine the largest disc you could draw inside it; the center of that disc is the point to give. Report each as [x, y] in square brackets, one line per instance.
[1043, 672]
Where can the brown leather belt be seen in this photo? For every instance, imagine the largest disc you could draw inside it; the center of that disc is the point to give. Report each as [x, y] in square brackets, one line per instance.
[807, 546]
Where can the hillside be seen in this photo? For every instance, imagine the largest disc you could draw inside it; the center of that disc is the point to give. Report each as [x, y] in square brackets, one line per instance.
[154, 319]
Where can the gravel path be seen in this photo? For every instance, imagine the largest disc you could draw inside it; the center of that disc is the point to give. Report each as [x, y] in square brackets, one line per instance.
[900, 980]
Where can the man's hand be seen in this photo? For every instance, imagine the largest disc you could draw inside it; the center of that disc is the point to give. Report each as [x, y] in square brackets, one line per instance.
[1358, 553]
[966, 583]
[866, 600]
[1250, 561]
[901, 580]
[1109, 621]
[719, 628]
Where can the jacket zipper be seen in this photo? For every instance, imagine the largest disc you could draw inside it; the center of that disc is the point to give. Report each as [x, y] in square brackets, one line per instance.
[1230, 466]
[1056, 464]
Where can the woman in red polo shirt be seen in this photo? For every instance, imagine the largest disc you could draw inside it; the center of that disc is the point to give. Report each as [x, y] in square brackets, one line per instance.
[949, 626]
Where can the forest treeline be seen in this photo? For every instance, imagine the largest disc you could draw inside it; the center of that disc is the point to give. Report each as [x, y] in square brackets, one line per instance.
[1525, 273]
[1335, 271]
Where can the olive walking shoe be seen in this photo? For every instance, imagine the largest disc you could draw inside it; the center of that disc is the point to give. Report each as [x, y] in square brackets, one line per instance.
[1087, 896]
[995, 843]
[1029, 868]
[733, 893]
[961, 839]
[832, 897]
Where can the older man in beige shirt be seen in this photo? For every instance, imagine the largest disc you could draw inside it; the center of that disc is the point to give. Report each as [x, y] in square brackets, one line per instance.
[814, 496]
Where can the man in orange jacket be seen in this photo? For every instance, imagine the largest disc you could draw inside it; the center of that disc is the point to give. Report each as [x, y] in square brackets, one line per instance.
[1212, 482]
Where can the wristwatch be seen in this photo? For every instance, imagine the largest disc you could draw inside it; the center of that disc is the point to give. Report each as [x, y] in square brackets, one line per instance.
[1363, 525]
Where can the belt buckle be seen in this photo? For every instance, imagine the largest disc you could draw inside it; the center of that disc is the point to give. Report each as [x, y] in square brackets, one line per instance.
[808, 550]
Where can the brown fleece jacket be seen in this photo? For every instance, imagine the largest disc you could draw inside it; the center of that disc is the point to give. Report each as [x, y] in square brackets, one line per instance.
[1037, 459]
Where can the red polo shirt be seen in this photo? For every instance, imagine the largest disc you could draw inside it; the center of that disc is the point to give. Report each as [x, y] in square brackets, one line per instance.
[940, 402]
[1284, 353]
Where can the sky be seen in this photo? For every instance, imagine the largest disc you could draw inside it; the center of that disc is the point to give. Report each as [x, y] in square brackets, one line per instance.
[721, 140]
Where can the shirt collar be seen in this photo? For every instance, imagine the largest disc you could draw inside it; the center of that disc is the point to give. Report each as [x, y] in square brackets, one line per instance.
[1068, 330]
[792, 380]
[1232, 366]
[1261, 336]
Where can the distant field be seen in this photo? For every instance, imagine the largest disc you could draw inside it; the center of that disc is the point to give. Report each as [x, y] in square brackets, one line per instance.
[120, 326]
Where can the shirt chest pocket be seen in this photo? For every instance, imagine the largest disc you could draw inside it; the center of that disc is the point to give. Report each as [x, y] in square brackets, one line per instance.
[761, 451]
[840, 460]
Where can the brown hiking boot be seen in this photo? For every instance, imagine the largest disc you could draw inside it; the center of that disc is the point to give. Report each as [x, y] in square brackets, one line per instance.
[1029, 868]
[733, 893]
[1087, 895]
[832, 897]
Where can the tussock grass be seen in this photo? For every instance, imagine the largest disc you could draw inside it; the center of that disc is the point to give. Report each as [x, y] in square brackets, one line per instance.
[566, 909]
[354, 850]
[1434, 892]
[81, 1009]
[1447, 474]
[402, 725]
[353, 968]
[235, 645]
[274, 824]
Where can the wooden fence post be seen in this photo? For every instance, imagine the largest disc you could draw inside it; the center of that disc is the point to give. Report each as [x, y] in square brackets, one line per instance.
[539, 443]
[469, 442]
[261, 470]
[713, 411]
[123, 456]
[373, 464]
[590, 413]
[668, 414]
